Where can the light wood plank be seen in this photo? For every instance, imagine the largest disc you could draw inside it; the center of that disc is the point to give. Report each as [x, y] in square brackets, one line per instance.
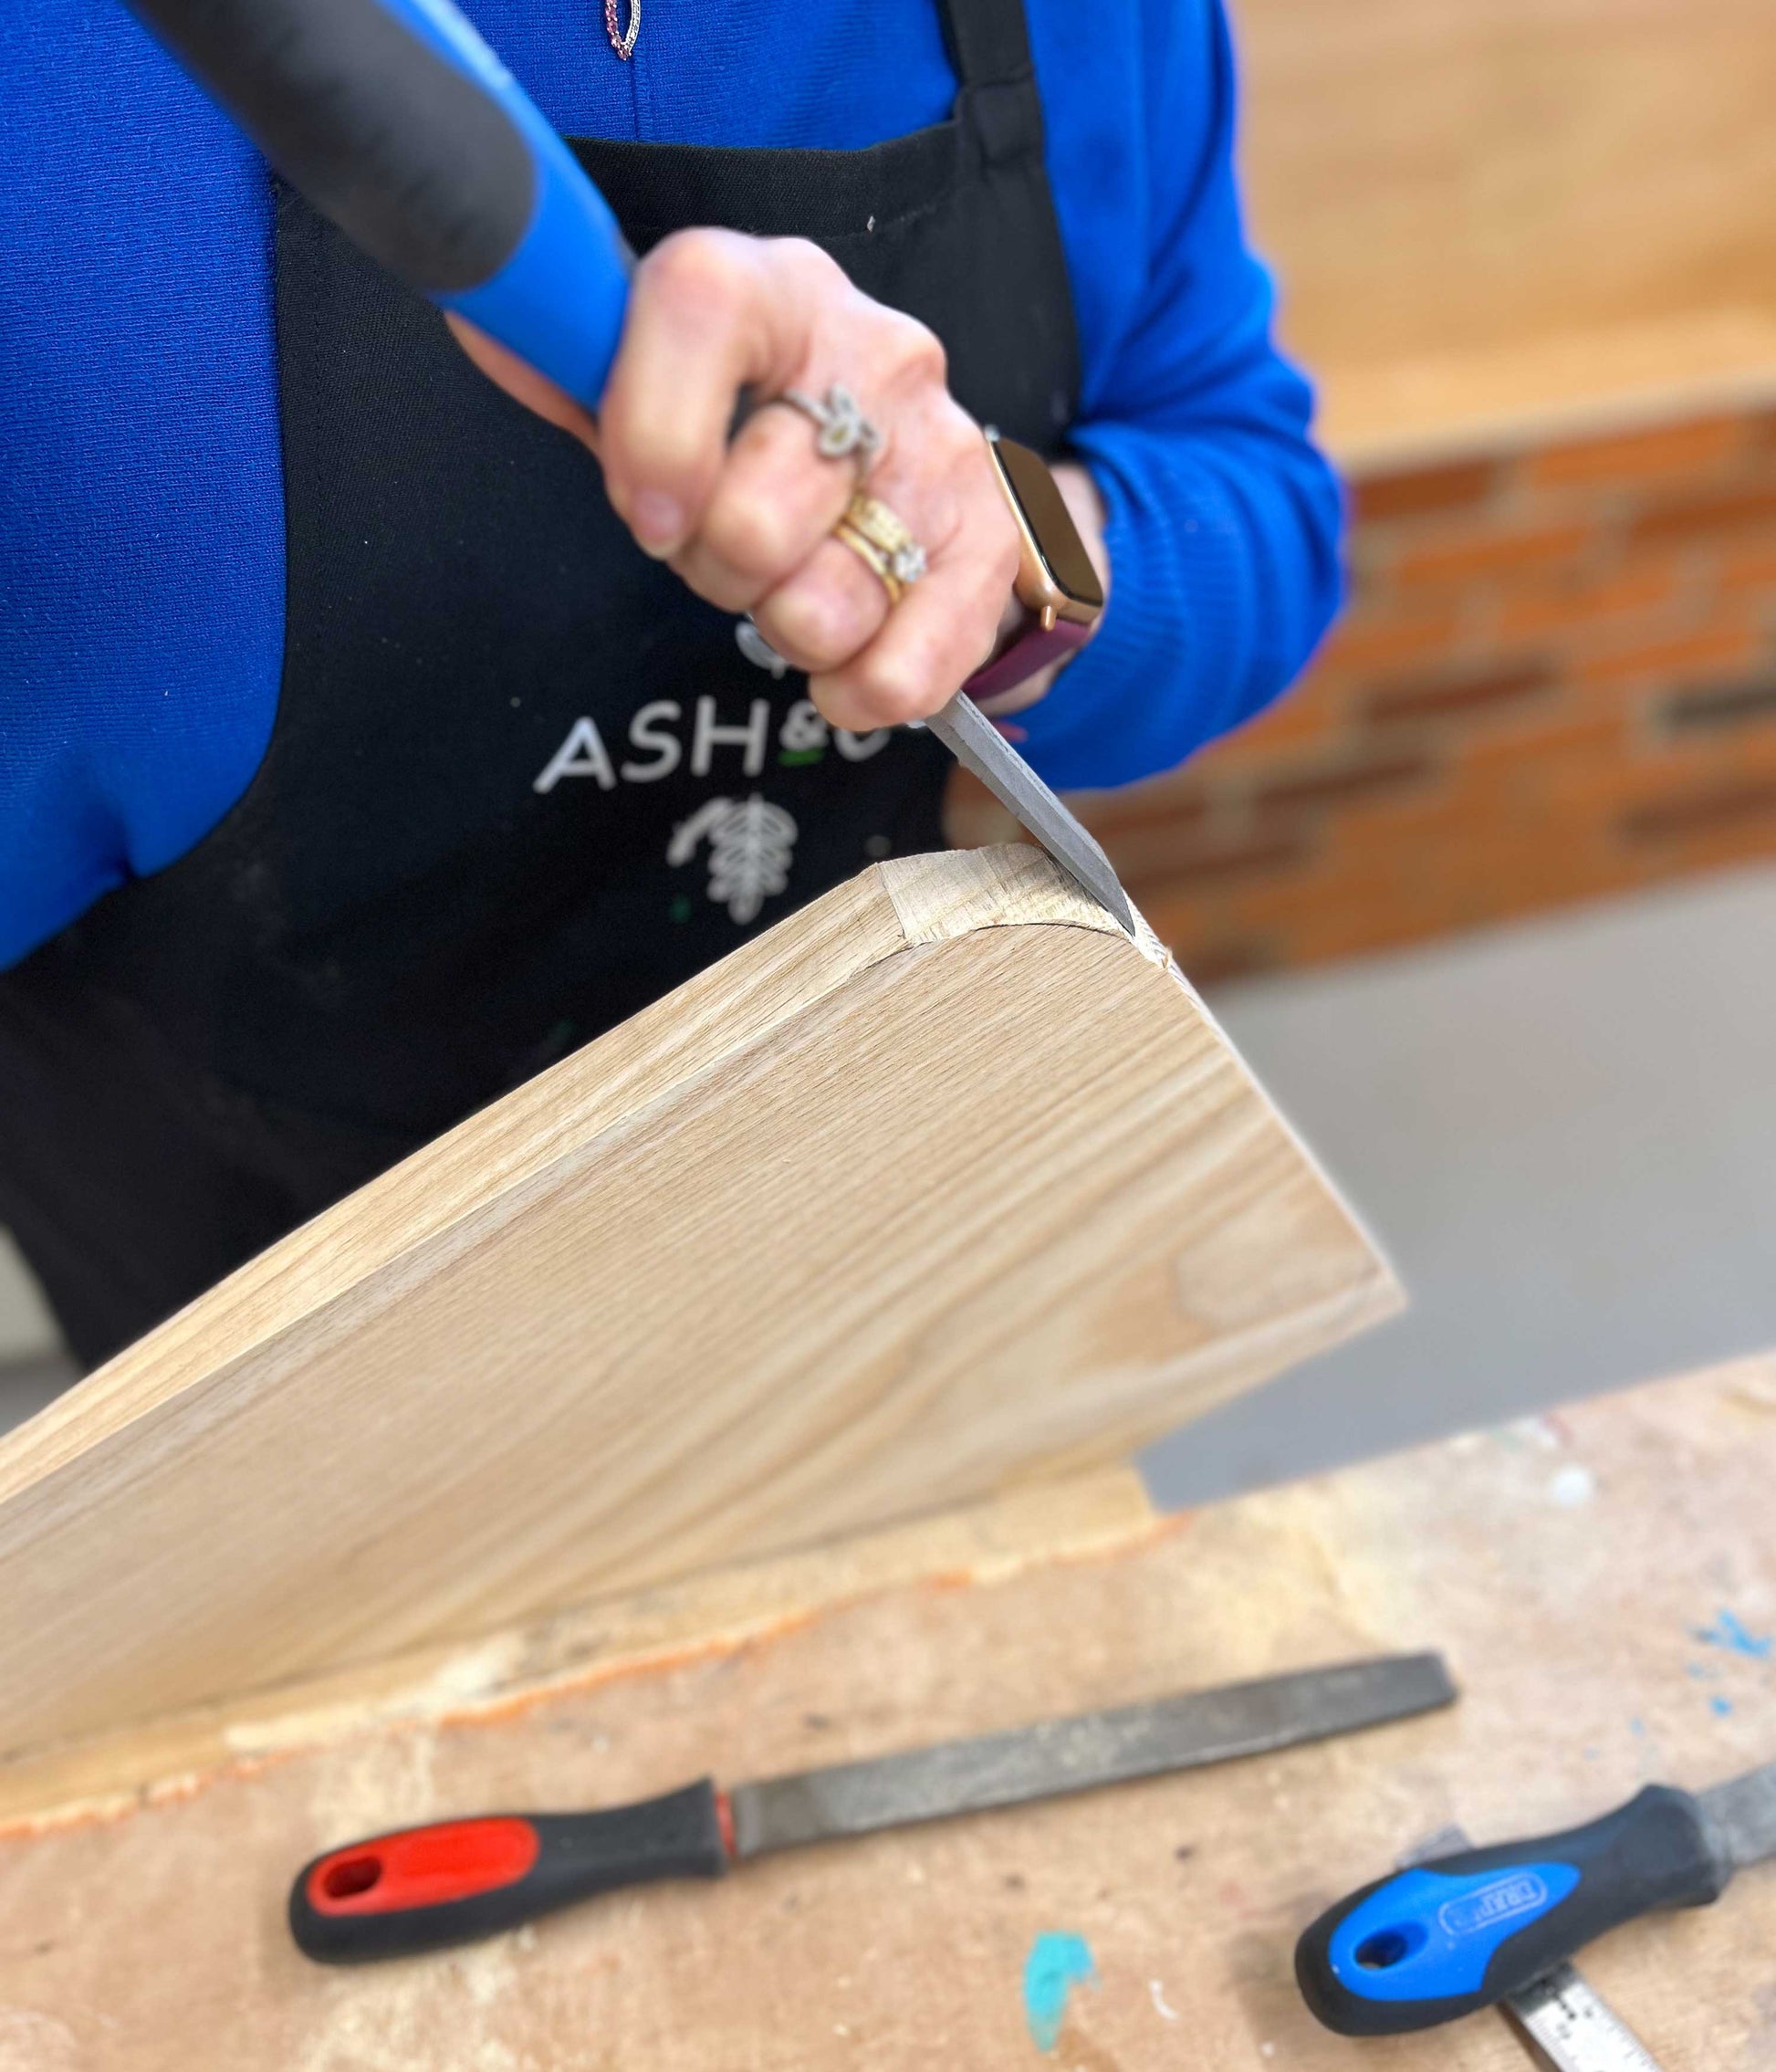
[944, 1181]
[1458, 193]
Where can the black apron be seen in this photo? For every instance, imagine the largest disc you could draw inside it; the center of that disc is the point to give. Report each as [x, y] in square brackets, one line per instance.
[521, 781]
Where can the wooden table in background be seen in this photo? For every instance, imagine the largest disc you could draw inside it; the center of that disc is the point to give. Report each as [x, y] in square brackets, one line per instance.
[1603, 1581]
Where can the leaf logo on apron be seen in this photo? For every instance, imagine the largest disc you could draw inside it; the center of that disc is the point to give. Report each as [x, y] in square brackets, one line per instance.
[751, 843]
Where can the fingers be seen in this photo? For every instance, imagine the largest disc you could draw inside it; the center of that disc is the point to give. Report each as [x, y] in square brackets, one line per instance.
[928, 645]
[826, 611]
[747, 524]
[773, 503]
[520, 380]
[709, 312]
[873, 663]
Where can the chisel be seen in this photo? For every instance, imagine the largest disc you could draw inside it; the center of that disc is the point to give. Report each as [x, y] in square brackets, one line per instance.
[396, 122]
[1465, 1931]
[426, 1888]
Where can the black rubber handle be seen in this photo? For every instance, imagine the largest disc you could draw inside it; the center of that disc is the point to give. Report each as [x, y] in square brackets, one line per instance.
[416, 163]
[456, 1881]
[1439, 1941]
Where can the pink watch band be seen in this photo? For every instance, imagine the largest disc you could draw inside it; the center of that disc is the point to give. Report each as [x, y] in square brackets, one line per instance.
[1034, 650]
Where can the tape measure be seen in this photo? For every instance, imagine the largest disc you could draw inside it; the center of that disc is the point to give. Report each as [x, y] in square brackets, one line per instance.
[1576, 2030]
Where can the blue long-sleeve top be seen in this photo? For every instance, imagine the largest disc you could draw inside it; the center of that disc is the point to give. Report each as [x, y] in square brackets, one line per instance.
[141, 543]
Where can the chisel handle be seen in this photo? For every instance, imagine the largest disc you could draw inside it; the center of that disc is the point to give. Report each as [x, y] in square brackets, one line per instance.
[457, 1880]
[395, 120]
[1464, 1931]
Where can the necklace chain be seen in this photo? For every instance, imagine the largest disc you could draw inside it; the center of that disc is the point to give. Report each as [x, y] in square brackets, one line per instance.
[623, 41]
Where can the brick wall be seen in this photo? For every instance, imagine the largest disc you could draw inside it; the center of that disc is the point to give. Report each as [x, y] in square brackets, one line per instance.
[1557, 678]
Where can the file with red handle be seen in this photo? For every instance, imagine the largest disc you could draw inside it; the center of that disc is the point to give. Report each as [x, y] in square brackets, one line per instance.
[454, 1881]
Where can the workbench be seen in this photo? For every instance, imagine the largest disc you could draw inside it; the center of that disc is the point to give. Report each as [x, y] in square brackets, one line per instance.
[1603, 1582]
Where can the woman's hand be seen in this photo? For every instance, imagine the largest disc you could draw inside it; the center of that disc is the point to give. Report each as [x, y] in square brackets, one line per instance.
[749, 524]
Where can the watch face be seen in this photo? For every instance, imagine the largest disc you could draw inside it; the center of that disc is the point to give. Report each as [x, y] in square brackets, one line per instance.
[1050, 523]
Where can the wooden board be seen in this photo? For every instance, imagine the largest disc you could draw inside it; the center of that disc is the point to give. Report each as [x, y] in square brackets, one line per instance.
[1575, 1568]
[1483, 207]
[943, 1179]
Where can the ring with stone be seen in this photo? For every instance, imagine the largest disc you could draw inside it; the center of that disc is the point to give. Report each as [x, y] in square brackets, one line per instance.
[841, 429]
[875, 534]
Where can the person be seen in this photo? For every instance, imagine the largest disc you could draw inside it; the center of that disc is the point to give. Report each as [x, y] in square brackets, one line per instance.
[365, 747]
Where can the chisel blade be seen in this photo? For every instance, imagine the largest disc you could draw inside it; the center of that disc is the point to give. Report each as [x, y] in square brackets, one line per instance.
[1180, 1732]
[981, 749]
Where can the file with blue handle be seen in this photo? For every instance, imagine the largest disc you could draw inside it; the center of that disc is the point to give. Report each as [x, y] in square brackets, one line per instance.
[1447, 1938]
[394, 120]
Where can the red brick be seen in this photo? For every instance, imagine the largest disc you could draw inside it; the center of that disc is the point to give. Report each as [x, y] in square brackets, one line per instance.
[1493, 553]
[1379, 638]
[1376, 498]
[1683, 814]
[1706, 511]
[1719, 648]
[1589, 741]
[1456, 691]
[1219, 959]
[1302, 719]
[1657, 455]
[1359, 777]
[1157, 848]
[1747, 568]
[1719, 707]
[1208, 860]
[1175, 800]
[1581, 603]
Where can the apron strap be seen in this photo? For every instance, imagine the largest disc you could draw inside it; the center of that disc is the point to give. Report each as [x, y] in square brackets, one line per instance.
[988, 41]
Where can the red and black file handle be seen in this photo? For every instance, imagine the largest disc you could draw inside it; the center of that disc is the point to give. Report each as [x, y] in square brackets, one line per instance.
[453, 1881]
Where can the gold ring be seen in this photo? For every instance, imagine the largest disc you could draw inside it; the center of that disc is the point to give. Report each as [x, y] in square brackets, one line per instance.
[875, 534]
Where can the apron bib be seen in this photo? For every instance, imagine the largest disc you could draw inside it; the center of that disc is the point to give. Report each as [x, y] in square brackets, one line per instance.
[521, 781]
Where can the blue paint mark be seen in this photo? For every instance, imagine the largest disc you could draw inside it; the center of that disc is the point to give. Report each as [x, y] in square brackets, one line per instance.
[1055, 1964]
[1729, 1633]
[1637, 1727]
[1721, 1706]
[1699, 1672]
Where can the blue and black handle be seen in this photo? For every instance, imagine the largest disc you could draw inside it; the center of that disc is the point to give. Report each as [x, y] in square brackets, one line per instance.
[1465, 1931]
[393, 119]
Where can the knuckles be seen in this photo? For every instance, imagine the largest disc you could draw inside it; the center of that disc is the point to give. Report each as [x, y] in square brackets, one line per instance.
[890, 697]
[823, 622]
[753, 535]
[911, 352]
[703, 273]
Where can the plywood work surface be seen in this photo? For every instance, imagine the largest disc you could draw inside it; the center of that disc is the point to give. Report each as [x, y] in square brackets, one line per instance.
[942, 1181]
[1603, 1582]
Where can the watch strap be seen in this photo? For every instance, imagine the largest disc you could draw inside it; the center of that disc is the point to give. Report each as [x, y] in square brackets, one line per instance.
[1030, 652]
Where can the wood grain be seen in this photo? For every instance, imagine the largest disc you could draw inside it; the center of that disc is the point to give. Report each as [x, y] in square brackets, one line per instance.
[1566, 1565]
[942, 1181]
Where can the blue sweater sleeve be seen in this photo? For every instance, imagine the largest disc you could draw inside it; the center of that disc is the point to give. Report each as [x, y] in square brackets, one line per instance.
[1224, 518]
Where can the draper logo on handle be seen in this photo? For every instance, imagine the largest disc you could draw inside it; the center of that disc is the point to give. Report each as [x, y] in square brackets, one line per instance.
[1517, 1892]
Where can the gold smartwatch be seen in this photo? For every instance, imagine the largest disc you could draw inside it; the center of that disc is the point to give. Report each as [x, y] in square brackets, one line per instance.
[1057, 584]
